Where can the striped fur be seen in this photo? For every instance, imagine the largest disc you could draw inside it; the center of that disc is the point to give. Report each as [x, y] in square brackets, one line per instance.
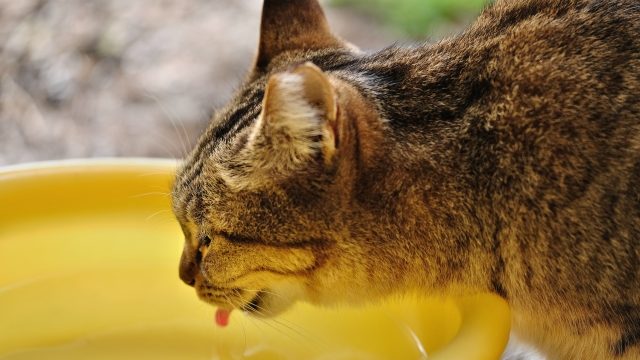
[504, 159]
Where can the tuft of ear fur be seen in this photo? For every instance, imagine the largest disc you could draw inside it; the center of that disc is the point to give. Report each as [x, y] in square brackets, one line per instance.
[293, 25]
[297, 126]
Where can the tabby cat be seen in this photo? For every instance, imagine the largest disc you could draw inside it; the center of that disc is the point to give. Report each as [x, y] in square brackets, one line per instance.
[505, 159]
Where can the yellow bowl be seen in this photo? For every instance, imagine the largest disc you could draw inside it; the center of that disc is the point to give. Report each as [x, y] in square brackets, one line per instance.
[88, 270]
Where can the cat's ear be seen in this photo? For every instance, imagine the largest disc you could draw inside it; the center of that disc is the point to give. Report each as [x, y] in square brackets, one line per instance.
[298, 120]
[293, 25]
[296, 128]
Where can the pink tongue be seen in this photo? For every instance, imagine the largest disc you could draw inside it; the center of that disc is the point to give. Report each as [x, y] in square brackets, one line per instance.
[222, 317]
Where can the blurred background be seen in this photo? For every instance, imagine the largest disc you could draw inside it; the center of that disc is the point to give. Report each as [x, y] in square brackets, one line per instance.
[106, 78]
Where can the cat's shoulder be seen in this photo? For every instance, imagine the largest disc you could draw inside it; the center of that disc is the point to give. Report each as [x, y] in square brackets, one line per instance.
[506, 13]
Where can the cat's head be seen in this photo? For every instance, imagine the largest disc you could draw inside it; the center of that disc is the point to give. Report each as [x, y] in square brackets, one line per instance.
[265, 199]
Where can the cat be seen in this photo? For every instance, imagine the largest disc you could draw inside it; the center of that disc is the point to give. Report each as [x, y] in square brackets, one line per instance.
[505, 159]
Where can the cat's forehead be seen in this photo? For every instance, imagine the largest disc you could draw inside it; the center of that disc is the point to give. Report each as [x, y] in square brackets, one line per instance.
[196, 182]
[239, 114]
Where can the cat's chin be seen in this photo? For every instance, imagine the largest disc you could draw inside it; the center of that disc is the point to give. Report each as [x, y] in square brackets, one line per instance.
[267, 304]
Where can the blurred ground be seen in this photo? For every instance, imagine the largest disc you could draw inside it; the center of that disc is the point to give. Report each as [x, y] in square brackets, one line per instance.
[127, 78]
[419, 18]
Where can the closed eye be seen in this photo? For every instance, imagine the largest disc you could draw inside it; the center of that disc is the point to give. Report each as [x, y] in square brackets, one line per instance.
[203, 242]
[239, 239]
[234, 238]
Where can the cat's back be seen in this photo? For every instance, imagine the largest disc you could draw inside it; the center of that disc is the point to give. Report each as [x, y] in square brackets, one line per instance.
[524, 59]
[578, 40]
[559, 99]
[560, 73]
[508, 13]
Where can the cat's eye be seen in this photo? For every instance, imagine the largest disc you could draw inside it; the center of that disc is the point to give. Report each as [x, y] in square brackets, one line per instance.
[204, 241]
[235, 238]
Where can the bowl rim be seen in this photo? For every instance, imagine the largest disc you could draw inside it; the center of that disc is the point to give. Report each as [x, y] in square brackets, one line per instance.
[86, 162]
[101, 164]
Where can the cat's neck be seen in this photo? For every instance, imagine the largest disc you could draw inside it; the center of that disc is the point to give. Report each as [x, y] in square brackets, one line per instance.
[420, 191]
[421, 223]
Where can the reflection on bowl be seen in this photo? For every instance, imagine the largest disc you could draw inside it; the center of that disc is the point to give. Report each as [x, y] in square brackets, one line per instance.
[88, 270]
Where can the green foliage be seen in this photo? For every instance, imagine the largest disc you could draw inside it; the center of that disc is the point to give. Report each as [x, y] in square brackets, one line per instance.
[418, 17]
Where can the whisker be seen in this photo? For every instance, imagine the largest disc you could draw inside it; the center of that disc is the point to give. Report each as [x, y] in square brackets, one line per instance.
[299, 331]
[156, 173]
[279, 330]
[167, 220]
[152, 193]
[169, 141]
[255, 324]
[156, 214]
[171, 118]
[244, 331]
[281, 297]
[290, 330]
[265, 291]
[160, 188]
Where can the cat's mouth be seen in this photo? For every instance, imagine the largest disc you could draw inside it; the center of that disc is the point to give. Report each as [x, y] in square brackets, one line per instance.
[252, 307]
[260, 303]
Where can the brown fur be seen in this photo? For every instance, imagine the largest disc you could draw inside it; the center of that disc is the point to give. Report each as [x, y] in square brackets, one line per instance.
[505, 159]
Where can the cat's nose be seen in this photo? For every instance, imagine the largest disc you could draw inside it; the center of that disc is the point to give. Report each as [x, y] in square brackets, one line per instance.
[188, 268]
[187, 274]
